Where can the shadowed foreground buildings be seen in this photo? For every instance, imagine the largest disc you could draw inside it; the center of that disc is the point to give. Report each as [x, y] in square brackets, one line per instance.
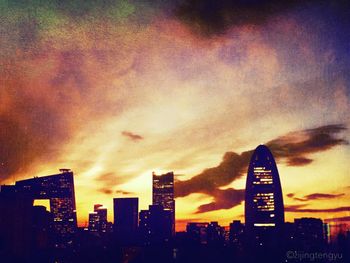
[59, 190]
[33, 234]
[155, 225]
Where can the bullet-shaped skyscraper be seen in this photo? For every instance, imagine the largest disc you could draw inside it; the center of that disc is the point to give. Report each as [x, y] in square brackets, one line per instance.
[264, 210]
[163, 194]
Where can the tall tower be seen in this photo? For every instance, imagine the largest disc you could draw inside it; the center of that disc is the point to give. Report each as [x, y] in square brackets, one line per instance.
[264, 210]
[163, 194]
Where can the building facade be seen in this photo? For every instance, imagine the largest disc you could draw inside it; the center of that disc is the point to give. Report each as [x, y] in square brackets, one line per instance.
[163, 194]
[264, 209]
[125, 219]
[155, 225]
[59, 190]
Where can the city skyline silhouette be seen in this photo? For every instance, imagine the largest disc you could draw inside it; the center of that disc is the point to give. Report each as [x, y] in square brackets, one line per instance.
[157, 108]
[264, 235]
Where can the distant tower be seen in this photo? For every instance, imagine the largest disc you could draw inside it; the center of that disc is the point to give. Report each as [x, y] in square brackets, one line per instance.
[264, 210]
[163, 194]
[102, 214]
[98, 219]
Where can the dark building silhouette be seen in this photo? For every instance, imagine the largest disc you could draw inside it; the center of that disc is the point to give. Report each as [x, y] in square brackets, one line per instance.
[16, 215]
[98, 219]
[93, 222]
[24, 229]
[264, 210]
[163, 194]
[59, 190]
[197, 232]
[236, 235]
[205, 233]
[102, 213]
[215, 234]
[309, 233]
[41, 225]
[126, 219]
[155, 225]
[289, 235]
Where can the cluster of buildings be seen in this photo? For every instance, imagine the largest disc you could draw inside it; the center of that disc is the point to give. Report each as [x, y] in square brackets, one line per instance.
[153, 226]
[24, 227]
[59, 225]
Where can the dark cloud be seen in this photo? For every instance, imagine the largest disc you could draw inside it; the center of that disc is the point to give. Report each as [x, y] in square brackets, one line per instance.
[210, 179]
[315, 196]
[223, 199]
[132, 136]
[299, 161]
[209, 17]
[123, 192]
[337, 219]
[298, 144]
[290, 195]
[295, 145]
[106, 191]
[107, 178]
[299, 209]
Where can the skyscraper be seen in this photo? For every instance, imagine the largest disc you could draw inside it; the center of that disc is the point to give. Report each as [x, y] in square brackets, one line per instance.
[126, 219]
[163, 194]
[264, 210]
[59, 190]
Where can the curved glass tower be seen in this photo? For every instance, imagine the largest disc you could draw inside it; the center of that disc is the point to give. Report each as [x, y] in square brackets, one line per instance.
[264, 210]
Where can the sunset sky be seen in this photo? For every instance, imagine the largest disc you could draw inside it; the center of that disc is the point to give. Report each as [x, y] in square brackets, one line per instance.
[117, 89]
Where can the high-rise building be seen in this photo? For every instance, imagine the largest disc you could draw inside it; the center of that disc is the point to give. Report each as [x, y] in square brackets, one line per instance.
[59, 190]
[155, 225]
[163, 194]
[126, 219]
[264, 210]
